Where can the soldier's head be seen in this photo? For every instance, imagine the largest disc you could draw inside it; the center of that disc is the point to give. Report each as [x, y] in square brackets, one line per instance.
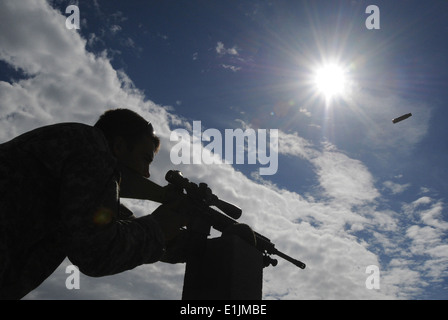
[131, 138]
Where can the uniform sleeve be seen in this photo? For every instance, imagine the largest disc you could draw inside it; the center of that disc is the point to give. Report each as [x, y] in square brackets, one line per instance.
[95, 236]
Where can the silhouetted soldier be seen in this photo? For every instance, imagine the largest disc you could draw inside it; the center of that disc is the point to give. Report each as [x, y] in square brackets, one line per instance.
[59, 197]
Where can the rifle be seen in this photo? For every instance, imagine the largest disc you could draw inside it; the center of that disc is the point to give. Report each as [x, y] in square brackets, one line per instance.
[200, 197]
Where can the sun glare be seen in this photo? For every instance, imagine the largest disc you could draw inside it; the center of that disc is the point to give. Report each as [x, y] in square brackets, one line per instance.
[330, 80]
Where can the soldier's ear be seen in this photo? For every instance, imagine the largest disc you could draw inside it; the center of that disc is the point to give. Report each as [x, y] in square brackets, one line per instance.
[120, 147]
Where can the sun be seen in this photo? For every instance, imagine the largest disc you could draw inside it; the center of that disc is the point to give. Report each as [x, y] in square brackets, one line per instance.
[330, 80]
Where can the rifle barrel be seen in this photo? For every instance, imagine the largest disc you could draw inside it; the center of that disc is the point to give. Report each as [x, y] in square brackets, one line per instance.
[296, 262]
[264, 244]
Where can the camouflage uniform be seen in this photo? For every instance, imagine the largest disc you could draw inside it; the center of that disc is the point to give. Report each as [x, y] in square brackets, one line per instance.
[59, 198]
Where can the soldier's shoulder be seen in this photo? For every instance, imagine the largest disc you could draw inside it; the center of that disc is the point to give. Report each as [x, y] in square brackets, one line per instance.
[64, 136]
[77, 131]
[81, 133]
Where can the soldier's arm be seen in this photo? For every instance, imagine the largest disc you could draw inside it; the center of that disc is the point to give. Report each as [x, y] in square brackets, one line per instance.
[95, 239]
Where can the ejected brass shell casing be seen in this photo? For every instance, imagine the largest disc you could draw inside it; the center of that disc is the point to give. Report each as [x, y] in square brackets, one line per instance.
[403, 117]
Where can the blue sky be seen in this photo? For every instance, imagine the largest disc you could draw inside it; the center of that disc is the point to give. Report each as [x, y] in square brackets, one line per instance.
[352, 189]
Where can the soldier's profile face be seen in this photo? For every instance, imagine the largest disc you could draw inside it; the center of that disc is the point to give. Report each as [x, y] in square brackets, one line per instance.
[140, 156]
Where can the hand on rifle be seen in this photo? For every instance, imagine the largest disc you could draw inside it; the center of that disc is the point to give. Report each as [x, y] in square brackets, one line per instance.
[171, 218]
[171, 193]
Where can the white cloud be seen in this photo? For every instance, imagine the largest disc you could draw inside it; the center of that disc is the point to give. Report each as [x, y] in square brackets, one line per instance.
[115, 28]
[343, 178]
[396, 188]
[293, 144]
[230, 67]
[340, 176]
[232, 52]
[305, 111]
[220, 49]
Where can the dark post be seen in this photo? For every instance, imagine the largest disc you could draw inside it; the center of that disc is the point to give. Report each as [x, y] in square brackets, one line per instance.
[229, 269]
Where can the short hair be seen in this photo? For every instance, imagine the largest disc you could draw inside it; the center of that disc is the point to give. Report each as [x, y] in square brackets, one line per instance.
[126, 124]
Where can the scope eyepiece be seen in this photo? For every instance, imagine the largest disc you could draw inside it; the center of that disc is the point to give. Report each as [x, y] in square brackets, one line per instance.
[176, 177]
